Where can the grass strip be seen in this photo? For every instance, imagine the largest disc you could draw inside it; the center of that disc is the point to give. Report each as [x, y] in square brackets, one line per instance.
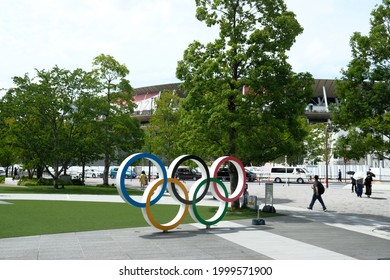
[32, 217]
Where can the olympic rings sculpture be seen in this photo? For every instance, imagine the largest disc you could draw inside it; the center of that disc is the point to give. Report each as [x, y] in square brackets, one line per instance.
[188, 199]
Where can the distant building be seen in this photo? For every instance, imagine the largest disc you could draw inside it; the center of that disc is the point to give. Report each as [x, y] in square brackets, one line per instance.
[317, 110]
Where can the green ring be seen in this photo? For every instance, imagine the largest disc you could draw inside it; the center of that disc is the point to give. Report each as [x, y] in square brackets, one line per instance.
[196, 213]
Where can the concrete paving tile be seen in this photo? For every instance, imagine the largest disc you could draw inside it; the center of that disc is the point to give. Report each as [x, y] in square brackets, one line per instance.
[61, 254]
[19, 240]
[19, 254]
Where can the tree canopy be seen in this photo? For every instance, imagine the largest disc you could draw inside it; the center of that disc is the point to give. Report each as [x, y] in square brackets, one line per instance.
[250, 55]
[41, 116]
[119, 131]
[60, 117]
[163, 133]
[364, 89]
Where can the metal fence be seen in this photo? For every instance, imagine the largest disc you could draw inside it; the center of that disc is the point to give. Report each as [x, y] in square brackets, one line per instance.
[381, 174]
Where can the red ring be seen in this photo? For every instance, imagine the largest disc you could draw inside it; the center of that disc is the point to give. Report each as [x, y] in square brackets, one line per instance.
[221, 161]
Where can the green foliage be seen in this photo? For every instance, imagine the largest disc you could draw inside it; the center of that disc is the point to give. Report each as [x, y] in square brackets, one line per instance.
[35, 182]
[251, 51]
[162, 136]
[2, 179]
[45, 116]
[216, 118]
[119, 133]
[352, 146]
[315, 143]
[364, 90]
[78, 182]
[59, 117]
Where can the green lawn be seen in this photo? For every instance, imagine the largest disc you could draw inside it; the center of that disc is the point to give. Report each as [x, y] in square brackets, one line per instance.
[22, 218]
[25, 218]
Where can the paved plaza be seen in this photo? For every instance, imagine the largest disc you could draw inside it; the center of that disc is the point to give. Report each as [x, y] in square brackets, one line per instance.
[353, 228]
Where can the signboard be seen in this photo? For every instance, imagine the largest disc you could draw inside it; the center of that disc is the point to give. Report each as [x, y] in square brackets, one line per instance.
[269, 193]
[252, 202]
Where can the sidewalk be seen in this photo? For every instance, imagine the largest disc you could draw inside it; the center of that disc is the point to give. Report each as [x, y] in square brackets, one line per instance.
[354, 228]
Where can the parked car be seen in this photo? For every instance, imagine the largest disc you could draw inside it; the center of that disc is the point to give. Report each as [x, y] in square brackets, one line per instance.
[129, 174]
[290, 174]
[187, 173]
[91, 173]
[250, 176]
[2, 173]
[223, 175]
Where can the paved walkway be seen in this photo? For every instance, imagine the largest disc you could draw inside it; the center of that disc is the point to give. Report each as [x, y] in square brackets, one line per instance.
[354, 228]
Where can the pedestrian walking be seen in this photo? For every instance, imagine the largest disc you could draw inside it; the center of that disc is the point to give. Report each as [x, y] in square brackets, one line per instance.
[143, 180]
[368, 184]
[339, 177]
[359, 187]
[353, 182]
[15, 176]
[318, 190]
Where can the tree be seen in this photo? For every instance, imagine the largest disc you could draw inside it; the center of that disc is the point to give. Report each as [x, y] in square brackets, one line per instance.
[351, 146]
[120, 133]
[250, 54]
[42, 118]
[163, 134]
[364, 89]
[8, 154]
[86, 112]
[315, 143]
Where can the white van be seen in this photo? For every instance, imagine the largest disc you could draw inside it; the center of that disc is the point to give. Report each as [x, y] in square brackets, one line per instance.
[290, 174]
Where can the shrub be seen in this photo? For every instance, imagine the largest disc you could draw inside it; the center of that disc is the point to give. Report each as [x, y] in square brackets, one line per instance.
[77, 182]
[45, 182]
[27, 182]
[35, 182]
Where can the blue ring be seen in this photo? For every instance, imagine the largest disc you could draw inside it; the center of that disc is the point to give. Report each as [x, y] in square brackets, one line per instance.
[123, 175]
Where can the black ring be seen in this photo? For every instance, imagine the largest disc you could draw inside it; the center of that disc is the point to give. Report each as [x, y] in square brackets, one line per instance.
[196, 160]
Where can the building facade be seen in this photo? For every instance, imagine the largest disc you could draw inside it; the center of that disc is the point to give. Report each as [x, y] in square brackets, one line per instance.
[317, 111]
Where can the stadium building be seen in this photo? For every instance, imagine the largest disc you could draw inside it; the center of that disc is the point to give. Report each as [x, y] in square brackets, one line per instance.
[317, 111]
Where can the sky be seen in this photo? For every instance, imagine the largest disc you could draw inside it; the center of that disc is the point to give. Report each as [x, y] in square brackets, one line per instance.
[150, 36]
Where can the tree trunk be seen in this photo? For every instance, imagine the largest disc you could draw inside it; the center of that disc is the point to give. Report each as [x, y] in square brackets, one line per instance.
[40, 170]
[106, 170]
[55, 177]
[233, 174]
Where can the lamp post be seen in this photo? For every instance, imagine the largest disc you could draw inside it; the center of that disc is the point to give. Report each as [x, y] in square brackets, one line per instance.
[150, 146]
[327, 131]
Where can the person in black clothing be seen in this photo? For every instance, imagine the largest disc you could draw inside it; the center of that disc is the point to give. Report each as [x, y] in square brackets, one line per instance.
[353, 182]
[317, 186]
[16, 176]
[368, 184]
[339, 177]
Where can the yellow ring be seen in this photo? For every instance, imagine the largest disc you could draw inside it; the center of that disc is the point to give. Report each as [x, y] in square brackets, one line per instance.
[182, 211]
